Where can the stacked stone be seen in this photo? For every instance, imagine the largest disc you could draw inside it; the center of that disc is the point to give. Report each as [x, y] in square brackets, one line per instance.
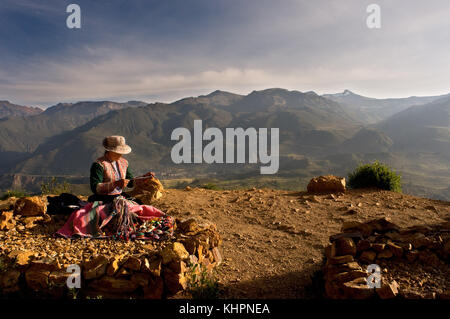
[362, 244]
[152, 275]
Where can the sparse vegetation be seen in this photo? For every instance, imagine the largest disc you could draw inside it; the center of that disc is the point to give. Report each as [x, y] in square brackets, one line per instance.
[211, 186]
[375, 175]
[52, 186]
[14, 193]
[73, 293]
[201, 283]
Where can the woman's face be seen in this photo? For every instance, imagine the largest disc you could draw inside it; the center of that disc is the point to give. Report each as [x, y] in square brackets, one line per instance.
[113, 156]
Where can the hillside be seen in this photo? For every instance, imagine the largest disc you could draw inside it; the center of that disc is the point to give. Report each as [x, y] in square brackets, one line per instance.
[274, 240]
[421, 128]
[371, 110]
[306, 124]
[20, 136]
[8, 109]
[317, 136]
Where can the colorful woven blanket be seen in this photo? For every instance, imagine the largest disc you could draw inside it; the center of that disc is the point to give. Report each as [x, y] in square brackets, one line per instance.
[121, 219]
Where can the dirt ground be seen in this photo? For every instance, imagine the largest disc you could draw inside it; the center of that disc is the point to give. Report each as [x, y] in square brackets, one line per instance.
[274, 240]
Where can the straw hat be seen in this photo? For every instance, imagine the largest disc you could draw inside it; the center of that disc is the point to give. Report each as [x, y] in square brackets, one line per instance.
[116, 144]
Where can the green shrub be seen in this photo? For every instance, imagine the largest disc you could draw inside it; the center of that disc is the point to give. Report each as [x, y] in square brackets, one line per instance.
[204, 285]
[14, 193]
[52, 186]
[211, 186]
[375, 175]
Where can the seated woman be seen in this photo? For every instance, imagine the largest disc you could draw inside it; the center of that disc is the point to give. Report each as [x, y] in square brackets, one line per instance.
[109, 213]
[110, 173]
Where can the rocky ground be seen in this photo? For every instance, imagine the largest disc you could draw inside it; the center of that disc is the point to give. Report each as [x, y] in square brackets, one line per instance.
[273, 240]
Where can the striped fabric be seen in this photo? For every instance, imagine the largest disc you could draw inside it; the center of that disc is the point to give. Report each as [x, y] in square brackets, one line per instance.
[107, 187]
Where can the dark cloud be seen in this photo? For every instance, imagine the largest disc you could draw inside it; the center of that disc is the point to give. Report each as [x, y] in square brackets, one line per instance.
[167, 49]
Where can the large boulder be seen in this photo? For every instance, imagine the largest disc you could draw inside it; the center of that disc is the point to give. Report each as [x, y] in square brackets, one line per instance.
[31, 206]
[326, 184]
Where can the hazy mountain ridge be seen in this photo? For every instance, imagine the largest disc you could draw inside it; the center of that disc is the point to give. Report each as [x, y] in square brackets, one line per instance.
[317, 136]
[372, 110]
[8, 109]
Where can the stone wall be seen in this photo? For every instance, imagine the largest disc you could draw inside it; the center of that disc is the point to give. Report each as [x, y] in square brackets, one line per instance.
[377, 242]
[156, 274]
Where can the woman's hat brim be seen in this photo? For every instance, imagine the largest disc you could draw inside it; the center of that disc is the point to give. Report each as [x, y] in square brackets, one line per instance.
[119, 149]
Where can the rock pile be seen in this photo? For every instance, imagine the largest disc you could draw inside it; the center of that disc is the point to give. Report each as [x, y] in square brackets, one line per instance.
[386, 245]
[326, 184]
[34, 263]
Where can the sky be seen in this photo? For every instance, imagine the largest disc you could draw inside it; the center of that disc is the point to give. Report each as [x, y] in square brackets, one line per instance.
[165, 50]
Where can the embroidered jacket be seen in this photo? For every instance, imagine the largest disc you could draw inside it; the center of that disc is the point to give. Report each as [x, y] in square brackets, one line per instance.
[103, 176]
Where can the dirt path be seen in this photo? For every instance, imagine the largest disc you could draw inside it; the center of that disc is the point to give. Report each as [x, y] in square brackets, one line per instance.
[273, 240]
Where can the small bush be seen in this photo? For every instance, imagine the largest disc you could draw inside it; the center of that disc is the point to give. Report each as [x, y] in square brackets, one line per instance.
[375, 175]
[211, 186]
[52, 186]
[204, 285]
[14, 193]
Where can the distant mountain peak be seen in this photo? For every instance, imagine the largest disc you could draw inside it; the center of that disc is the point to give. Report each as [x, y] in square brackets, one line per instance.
[219, 93]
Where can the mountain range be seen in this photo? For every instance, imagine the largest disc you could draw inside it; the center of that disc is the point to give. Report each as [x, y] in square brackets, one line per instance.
[8, 109]
[324, 134]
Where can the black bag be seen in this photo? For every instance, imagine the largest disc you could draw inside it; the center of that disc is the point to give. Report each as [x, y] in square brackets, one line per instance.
[63, 204]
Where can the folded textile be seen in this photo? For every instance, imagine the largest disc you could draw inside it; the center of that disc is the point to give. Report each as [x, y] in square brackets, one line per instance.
[122, 219]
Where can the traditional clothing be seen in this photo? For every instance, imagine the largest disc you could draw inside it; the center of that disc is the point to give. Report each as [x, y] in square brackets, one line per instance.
[121, 219]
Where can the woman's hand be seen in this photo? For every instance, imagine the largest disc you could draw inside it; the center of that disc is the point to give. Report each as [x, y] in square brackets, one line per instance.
[121, 183]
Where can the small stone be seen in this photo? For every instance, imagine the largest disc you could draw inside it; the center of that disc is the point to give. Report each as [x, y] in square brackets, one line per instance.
[113, 285]
[387, 253]
[429, 258]
[37, 279]
[155, 288]
[326, 184]
[217, 256]
[412, 255]
[349, 276]
[383, 225]
[174, 282]
[340, 260]
[114, 266]
[30, 206]
[396, 250]
[363, 245]
[378, 247]
[140, 279]
[152, 266]
[7, 221]
[9, 279]
[352, 226]
[174, 251]
[22, 258]
[368, 256]
[95, 268]
[357, 289]
[388, 291]
[345, 246]
[132, 263]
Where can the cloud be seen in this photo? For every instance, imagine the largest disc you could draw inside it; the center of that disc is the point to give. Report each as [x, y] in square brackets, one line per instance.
[164, 50]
